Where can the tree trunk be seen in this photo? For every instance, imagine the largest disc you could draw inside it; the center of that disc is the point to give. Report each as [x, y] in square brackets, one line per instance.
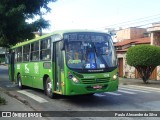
[145, 72]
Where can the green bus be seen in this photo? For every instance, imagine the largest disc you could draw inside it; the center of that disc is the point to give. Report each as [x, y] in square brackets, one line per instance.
[72, 62]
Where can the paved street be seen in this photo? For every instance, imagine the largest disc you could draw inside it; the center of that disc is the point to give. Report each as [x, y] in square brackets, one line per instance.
[127, 98]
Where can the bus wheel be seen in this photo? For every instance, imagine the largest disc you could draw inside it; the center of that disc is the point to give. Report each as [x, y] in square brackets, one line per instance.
[20, 86]
[48, 88]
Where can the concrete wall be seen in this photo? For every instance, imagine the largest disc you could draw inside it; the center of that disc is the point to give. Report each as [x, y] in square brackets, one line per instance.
[128, 71]
[156, 38]
[123, 34]
[137, 33]
[130, 33]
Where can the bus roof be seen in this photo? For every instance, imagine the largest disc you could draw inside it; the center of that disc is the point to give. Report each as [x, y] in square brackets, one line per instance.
[60, 32]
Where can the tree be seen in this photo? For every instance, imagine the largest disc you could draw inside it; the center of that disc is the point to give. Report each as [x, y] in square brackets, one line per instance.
[13, 15]
[144, 58]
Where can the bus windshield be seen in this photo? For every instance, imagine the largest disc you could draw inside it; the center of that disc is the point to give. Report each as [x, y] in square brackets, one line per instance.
[89, 51]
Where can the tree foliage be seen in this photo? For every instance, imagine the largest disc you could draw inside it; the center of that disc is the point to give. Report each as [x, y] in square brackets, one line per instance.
[144, 58]
[13, 15]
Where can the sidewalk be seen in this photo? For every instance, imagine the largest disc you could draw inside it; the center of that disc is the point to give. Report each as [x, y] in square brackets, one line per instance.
[14, 103]
[129, 81]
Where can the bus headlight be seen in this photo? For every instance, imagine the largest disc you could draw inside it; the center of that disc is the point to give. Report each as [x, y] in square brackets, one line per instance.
[115, 77]
[75, 80]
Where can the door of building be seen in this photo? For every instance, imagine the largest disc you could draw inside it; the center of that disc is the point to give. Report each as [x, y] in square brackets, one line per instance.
[120, 67]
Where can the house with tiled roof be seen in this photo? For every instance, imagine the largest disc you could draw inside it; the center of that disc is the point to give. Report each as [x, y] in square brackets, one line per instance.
[124, 45]
[155, 40]
[127, 38]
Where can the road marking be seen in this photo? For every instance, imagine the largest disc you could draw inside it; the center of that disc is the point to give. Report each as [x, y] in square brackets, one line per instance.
[145, 87]
[99, 95]
[35, 97]
[150, 89]
[112, 93]
[11, 86]
[130, 89]
[127, 92]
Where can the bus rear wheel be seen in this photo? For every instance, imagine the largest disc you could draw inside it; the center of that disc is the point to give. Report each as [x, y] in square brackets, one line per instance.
[19, 80]
[48, 88]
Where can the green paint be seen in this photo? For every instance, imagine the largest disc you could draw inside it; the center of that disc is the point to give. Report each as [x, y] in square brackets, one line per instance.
[33, 73]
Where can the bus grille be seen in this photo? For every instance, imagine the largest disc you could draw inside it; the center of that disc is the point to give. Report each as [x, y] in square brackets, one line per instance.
[94, 81]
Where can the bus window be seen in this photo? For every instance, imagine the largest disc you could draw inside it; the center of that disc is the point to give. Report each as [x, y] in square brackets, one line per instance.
[74, 52]
[46, 49]
[90, 52]
[35, 51]
[18, 55]
[26, 50]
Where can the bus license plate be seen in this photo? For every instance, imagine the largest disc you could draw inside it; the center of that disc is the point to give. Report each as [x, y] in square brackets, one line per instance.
[97, 87]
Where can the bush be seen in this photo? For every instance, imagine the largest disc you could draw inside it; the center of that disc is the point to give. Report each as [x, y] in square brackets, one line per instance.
[143, 55]
[144, 58]
[2, 59]
[2, 101]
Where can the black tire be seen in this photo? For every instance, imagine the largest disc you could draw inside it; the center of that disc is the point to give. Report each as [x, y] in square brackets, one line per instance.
[19, 80]
[48, 88]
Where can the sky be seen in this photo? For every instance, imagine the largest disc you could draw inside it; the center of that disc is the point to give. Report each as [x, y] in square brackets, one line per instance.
[99, 14]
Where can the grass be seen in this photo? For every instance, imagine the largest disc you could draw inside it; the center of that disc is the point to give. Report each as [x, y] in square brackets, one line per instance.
[2, 101]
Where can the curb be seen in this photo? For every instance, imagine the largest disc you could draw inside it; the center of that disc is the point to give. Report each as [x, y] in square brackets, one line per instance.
[22, 100]
[152, 84]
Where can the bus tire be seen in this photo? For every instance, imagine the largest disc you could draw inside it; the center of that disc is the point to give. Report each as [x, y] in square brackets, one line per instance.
[19, 80]
[48, 88]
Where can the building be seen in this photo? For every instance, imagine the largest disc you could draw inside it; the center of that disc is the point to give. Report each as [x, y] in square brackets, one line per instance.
[155, 40]
[127, 38]
[130, 33]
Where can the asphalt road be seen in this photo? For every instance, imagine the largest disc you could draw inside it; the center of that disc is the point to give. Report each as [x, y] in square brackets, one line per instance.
[127, 98]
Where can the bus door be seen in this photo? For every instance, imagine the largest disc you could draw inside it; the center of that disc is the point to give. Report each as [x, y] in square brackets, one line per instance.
[11, 62]
[59, 66]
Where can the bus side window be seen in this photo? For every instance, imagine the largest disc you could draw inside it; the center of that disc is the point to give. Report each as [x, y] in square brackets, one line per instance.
[18, 54]
[35, 51]
[26, 50]
[45, 53]
[15, 57]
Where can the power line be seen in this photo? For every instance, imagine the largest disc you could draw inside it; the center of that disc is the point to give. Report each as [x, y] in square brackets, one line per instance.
[144, 22]
[139, 20]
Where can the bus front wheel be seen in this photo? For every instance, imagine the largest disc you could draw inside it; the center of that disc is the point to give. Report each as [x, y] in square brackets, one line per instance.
[48, 88]
[19, 80]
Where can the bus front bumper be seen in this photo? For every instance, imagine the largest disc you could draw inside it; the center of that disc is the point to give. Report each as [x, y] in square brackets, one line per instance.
[80, 89]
